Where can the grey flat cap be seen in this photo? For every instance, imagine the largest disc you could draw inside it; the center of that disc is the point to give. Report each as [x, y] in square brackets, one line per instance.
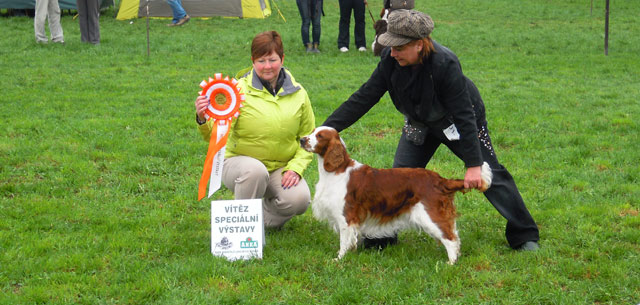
[400, 4]
[404, 26]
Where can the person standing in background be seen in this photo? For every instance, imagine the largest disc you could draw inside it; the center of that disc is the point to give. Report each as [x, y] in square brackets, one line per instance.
[48, 9]
[346, 7]
[180, 16]
[310, 13]
[89, 20]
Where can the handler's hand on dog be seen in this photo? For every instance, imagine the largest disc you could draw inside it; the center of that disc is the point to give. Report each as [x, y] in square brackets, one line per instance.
[201, 105]
[473, 178]
[289, 179]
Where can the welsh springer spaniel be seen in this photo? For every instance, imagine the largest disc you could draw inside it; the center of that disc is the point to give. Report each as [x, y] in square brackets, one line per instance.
[358, 200]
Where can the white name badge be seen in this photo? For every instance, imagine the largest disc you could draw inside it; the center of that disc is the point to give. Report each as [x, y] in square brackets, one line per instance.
[237, 229]
[451, 133]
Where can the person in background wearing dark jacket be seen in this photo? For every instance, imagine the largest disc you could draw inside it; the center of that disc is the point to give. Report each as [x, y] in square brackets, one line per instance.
[310, 13]
[89, 20]
[441, 106]
[346, 7]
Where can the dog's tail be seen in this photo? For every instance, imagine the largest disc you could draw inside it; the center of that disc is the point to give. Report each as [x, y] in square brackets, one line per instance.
[487, 177]
[457, 185]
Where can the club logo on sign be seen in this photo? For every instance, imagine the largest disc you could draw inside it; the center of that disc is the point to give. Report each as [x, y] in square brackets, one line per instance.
[224, 244]
[249, 243]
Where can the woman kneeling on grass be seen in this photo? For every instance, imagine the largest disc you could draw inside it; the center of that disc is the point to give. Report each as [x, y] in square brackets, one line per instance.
[263, 158]
[441, 106]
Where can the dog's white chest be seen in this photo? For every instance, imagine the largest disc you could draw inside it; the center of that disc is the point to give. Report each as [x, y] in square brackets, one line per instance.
[329, 199]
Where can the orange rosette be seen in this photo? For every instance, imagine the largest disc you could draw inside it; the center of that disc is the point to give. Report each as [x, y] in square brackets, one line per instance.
[225, 101]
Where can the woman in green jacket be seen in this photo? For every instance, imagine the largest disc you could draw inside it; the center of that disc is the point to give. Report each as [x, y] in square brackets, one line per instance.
[263, 158]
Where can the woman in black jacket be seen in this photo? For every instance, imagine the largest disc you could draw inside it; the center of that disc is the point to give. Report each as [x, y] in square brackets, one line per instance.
[441, 106]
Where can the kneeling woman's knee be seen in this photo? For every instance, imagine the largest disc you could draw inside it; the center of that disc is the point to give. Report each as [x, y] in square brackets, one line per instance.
[293, 203]
[245, 176]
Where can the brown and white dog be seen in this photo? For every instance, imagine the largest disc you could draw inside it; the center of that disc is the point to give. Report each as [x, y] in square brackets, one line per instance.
[380, 28]
[360, 201]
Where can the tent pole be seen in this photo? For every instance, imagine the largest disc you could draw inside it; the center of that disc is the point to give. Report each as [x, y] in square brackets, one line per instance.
[606, 30]
[147, 28]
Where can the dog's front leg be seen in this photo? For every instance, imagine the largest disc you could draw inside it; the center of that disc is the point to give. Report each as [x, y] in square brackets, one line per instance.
[348, 239]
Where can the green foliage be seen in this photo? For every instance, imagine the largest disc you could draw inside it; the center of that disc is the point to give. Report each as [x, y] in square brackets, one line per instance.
[100, 161]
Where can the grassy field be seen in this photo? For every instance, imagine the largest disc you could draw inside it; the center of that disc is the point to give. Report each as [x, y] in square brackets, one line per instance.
[100, 161]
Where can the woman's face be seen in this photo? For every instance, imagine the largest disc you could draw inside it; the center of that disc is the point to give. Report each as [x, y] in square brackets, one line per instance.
[268, 66]
[407, 54]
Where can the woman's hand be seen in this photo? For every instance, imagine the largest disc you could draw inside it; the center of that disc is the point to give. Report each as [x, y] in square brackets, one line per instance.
[201, 105]
[473, 178]
[289, 179]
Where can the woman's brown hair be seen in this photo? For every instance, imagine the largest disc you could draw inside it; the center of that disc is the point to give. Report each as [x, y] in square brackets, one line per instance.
[427, 47]
[266, 42]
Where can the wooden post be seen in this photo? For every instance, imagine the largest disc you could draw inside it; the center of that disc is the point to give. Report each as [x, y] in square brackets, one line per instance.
[606, 29]
[148, 27]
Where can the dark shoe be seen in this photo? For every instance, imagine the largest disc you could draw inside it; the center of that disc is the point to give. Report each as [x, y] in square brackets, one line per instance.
[309, 48]
[380, 243]
[183, 20]
[315, 48]
[529, 246]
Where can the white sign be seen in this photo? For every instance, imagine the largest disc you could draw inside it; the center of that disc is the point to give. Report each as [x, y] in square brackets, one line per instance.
[237, 229]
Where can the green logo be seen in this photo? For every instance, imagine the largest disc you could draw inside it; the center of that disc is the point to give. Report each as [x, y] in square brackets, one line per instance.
[249, 243]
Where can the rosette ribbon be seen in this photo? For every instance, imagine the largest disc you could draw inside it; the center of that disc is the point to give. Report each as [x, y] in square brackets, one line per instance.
[221, 112]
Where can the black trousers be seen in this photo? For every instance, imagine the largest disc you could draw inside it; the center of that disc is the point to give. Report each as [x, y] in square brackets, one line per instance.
[346, 6]
[503, 193]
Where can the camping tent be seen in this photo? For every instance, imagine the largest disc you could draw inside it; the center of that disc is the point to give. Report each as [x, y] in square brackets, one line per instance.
[31, 4]
[196, 8]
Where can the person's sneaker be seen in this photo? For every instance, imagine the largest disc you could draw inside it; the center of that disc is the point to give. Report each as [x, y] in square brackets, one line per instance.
[183, 20]
[344, 49]
[315, 48]
[171, 24]
[529, 246]
[362, 49]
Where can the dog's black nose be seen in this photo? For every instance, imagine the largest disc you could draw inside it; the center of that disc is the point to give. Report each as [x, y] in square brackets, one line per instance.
[303, 141]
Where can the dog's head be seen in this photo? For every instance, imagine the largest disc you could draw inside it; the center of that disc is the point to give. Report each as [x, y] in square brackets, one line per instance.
[326, 142]
[381, 27]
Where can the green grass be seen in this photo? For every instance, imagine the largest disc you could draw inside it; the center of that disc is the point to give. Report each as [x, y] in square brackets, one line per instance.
[100, 160]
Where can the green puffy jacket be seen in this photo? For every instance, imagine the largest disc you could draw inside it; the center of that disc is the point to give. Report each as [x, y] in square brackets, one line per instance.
[269, 127]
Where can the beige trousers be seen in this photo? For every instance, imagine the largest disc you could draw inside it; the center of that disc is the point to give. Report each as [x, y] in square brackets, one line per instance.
[248, 178]
[47, 9]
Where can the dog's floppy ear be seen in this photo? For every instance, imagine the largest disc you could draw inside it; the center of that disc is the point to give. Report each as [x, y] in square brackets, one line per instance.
[380, 27]
[334, 157]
